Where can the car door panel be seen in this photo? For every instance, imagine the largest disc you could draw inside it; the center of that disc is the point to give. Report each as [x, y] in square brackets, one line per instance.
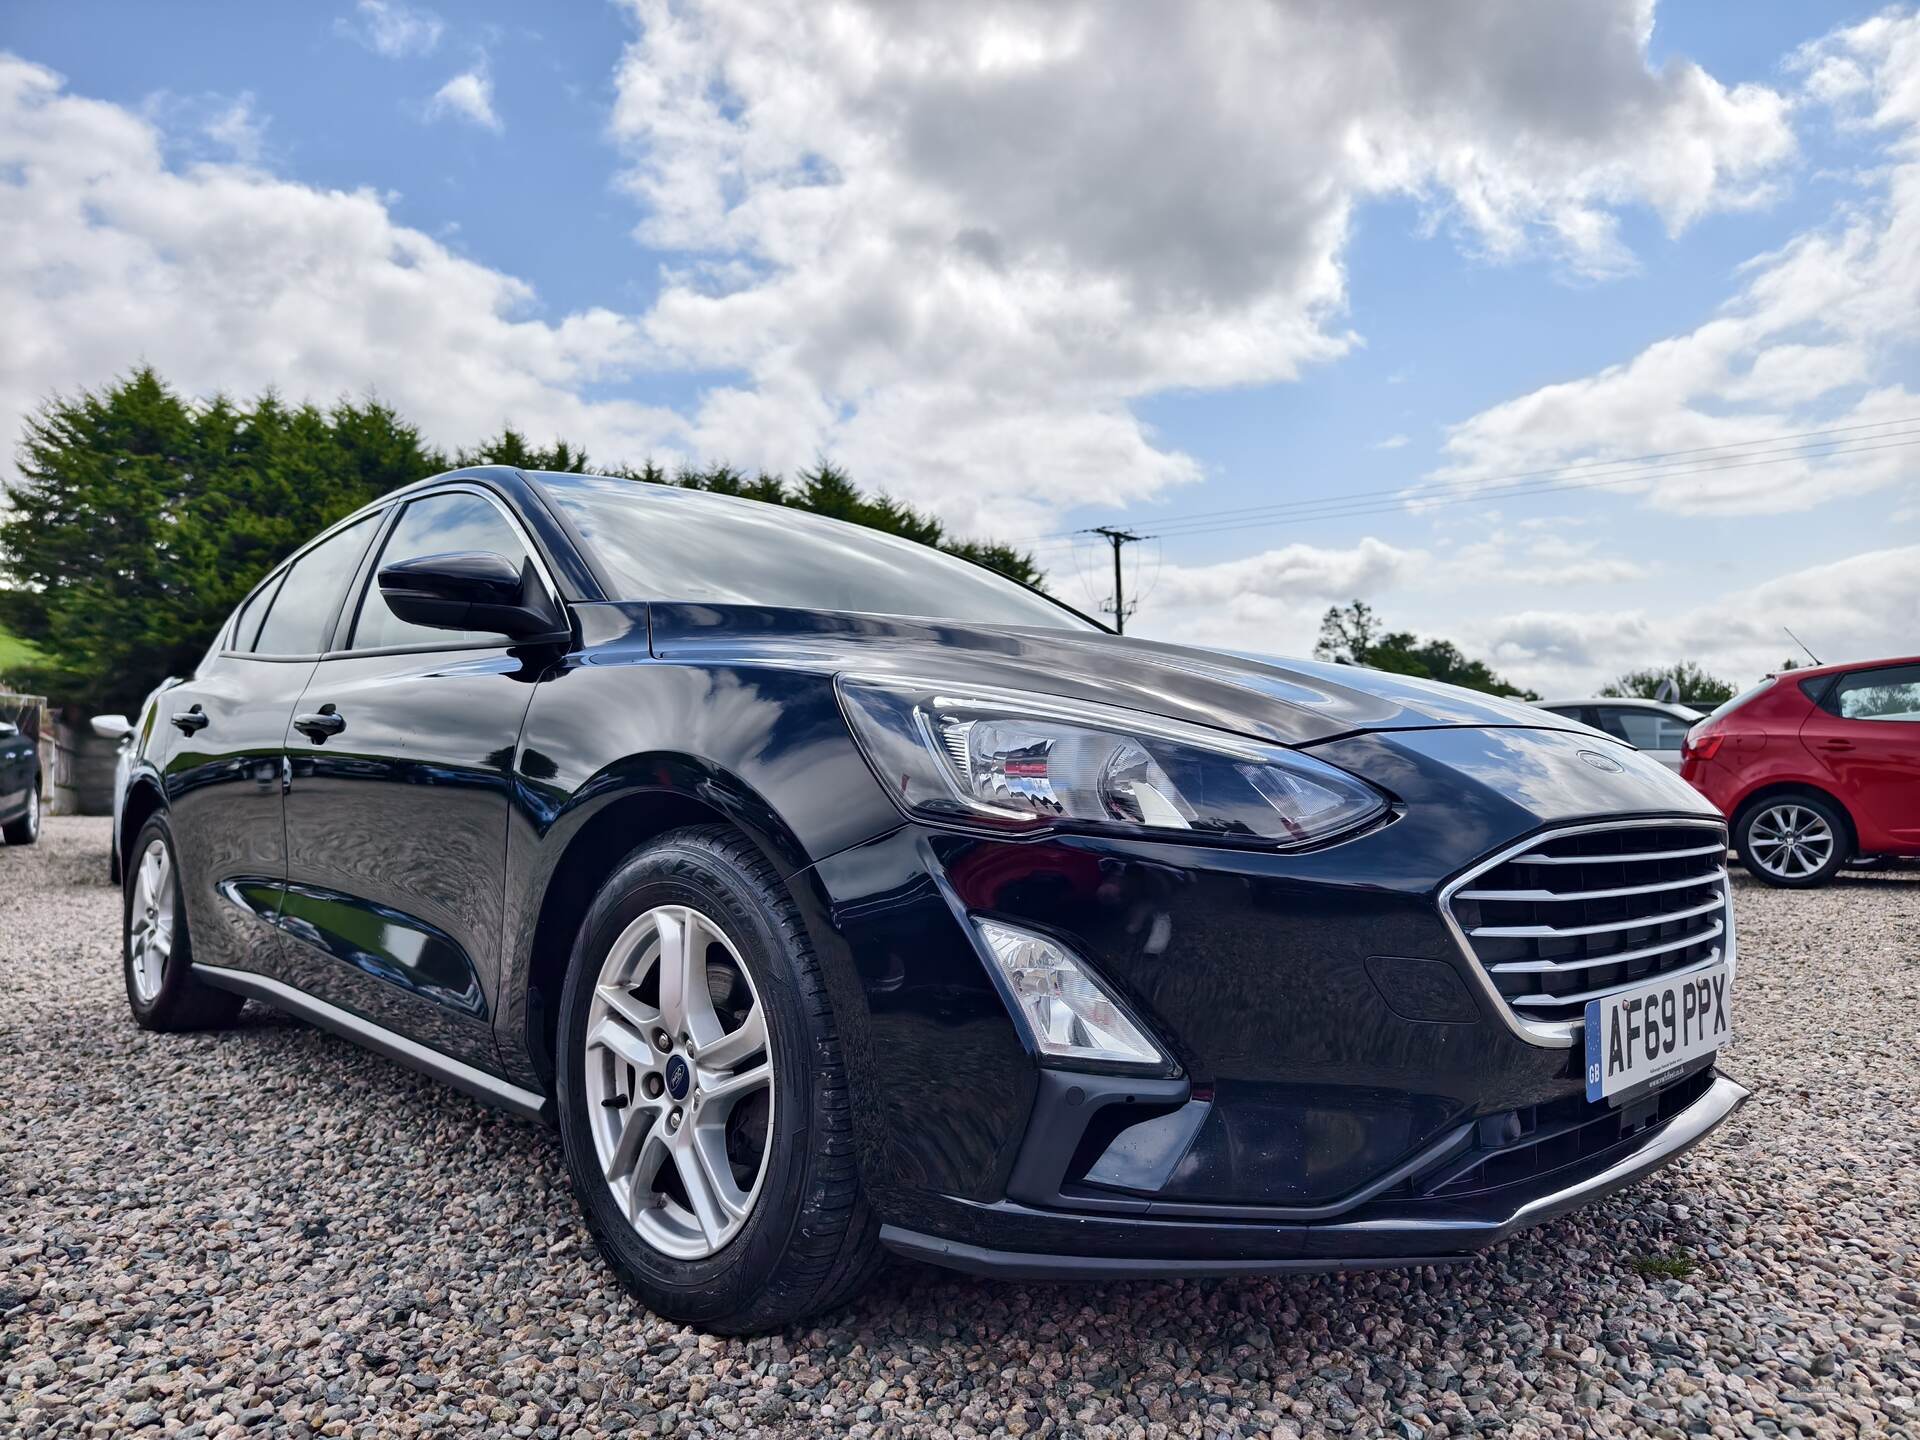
[223, 784]
[396, 831]
[224, 765]
[397, 820]
[1865, 735]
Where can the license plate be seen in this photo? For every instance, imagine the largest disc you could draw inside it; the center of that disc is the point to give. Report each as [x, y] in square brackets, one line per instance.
[1639, 1035]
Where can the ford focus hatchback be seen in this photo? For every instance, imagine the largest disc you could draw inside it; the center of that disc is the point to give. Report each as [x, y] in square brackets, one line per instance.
[834, 896]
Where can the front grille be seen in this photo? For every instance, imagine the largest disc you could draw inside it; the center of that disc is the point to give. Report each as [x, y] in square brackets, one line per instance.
[1580, 914]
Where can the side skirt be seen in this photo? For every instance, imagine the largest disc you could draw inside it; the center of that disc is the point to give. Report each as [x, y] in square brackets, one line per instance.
[344, 1023]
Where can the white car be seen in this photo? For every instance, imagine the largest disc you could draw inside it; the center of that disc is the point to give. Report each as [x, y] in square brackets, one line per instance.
[1654, 726]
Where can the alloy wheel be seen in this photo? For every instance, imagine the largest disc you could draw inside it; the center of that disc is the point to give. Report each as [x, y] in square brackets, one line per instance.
[1790, 841]
[679, 1082]
[33, 813]
[150, 921]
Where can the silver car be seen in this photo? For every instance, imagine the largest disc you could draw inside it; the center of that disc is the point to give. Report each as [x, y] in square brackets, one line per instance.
[1655, 726]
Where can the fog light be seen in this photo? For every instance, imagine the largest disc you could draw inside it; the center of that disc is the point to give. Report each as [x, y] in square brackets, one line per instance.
[1069, 1013]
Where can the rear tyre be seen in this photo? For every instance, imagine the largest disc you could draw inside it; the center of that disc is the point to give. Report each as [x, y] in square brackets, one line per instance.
[156, 951]
[703, 1101]
[1798, 841]
[26, 829]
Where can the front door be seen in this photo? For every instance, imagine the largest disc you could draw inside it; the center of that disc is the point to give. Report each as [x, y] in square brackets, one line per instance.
[402, 757]
[221, 741]
[1866, 732]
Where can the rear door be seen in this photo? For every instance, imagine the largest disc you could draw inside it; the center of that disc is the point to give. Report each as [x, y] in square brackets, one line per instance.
[224, 750]
[1865, 731]
[397, 821]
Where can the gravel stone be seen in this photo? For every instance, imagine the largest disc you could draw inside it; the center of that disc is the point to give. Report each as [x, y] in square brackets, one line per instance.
[266, 1230]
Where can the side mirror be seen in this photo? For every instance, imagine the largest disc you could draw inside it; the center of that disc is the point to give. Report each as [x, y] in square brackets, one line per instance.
[112, 727]
[472, 590]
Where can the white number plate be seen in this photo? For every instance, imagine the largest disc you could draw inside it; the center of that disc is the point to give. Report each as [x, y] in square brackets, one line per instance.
[1640, 1034]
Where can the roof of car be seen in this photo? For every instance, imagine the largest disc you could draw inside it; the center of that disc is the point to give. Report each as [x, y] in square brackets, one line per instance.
[1621, 700]
[1802, 672]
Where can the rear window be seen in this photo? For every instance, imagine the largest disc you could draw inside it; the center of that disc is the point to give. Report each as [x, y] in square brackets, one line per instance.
[1742, 698]
[659, 543]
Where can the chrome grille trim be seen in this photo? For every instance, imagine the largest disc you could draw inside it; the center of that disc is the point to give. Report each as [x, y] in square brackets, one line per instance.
[1552, 897]
[1713, 958]
[1643, 855]
[1562, 967]
[1554, 932]
[1577, 938]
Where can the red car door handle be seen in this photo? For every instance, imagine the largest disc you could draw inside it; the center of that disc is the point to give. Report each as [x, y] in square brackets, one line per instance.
[1836, 744]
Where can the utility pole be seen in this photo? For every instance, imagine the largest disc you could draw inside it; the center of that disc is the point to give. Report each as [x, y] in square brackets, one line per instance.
[1117, 538]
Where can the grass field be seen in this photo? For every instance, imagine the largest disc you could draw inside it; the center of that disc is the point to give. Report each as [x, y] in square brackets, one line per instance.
[15, 652]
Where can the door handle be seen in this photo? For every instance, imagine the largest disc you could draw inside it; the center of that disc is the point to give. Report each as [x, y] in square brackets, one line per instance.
[190, 721]
[319, 725]
[1836, 744]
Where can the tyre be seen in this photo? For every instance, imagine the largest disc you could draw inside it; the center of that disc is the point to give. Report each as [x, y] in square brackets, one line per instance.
[703, 1104]
[26, 829]
[156, 951]
[1796, 841]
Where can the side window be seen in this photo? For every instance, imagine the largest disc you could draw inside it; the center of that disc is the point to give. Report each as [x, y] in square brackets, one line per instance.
[246, 624]
[437, 525]
[1643, 729]
[302, 609]
[1890, 694]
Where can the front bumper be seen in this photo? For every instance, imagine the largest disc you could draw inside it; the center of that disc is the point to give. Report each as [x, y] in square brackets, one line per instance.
[1386, 1233]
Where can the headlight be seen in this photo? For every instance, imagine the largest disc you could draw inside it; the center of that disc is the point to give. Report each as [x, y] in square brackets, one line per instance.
[1027, 762]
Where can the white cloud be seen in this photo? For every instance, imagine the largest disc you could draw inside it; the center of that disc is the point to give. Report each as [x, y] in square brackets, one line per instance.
[1271, 602]
[467, 96]
[1861, 608]
[953, 245]
[238, 130]
[1818, 337]
[227, 278]
[1392, 442]
[392, 29]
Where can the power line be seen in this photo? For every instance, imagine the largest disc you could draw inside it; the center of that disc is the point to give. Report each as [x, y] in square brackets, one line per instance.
[1625, 469]
[1334, 507]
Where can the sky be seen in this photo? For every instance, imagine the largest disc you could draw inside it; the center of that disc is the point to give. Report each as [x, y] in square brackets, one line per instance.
[1582, 334]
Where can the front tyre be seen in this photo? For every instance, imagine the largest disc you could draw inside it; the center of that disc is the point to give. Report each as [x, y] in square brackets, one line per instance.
[1798, 842]
[156, 951]
[703, 1101]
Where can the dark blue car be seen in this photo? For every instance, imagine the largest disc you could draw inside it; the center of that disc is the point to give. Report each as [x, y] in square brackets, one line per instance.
[832, 895]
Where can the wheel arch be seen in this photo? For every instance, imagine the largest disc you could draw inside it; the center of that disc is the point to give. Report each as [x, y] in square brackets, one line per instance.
[624, 808]
[1779, 790]
[144, 801]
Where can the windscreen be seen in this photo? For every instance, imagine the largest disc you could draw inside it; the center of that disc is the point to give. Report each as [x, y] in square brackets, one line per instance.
[655, 542]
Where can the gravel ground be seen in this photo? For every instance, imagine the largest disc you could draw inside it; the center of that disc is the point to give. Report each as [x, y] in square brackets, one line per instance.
[268, 1231]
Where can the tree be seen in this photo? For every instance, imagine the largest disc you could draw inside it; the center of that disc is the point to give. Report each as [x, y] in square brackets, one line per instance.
[1352, 636]
[1694, 685]
[140, 518]
[510, 447]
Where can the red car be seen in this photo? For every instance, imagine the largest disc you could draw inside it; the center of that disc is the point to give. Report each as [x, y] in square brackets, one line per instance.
[1815, 768]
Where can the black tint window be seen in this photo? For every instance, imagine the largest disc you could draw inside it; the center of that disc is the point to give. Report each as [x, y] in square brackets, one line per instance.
[246, 625]
[437, 525]
[297, 620]
[1890, 694]
[659, 543]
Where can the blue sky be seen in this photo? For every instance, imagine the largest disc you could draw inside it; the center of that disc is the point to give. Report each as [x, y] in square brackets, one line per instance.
[701, 231]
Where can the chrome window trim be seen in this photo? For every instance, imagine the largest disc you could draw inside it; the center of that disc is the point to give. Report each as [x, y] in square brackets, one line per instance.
[1560, 1035]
